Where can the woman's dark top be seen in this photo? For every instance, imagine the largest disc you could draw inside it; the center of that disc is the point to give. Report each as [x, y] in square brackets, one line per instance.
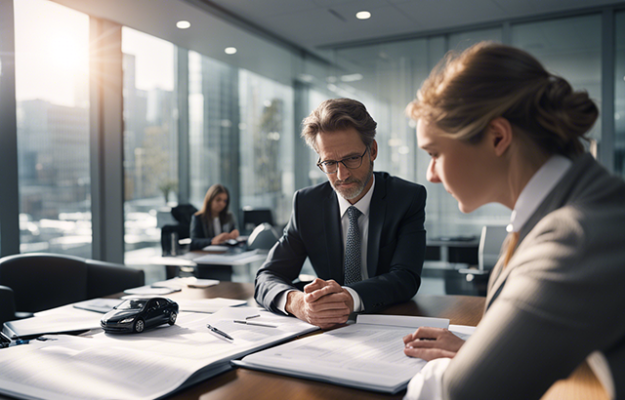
[202, 234]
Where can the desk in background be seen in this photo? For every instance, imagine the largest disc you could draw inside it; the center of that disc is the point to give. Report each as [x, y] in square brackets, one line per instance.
[445, 258]
[205, 265]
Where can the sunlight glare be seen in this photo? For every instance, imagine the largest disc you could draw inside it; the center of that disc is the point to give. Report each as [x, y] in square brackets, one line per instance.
[65, 53]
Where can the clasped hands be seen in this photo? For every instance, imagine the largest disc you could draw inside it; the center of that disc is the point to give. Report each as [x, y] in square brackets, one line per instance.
[222, 237]
[322, 303]
[326, 304]
[432, 343]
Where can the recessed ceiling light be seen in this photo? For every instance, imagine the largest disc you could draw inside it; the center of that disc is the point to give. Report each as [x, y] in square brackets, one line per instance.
[183, 24]
[306, 78]
[363, 15]
[351, 78]
[230, 50]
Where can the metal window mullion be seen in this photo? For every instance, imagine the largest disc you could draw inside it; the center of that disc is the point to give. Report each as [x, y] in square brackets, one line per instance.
[608, 92]
[106, 141]
[9, 185]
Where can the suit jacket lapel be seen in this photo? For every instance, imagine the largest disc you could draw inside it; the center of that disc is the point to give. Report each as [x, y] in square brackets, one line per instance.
[377, 211]
[560, 195]
[333, 238]
[498, 276]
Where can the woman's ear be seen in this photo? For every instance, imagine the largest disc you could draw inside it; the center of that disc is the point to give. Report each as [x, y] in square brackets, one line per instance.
[500, 134]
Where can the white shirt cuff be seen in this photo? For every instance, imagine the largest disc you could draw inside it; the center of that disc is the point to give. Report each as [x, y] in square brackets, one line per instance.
[281, 301]
[427, 384]
[358, 306]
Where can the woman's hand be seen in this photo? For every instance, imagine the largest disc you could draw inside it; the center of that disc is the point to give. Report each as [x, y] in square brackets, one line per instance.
[219, 239]
[432, 343]
[234, 234]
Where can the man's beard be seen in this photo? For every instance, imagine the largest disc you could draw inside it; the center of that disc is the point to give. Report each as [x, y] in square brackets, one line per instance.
[353, 192]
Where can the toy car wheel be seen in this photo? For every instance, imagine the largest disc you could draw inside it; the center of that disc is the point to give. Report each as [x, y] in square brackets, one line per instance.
[139, 326]
[172, 318]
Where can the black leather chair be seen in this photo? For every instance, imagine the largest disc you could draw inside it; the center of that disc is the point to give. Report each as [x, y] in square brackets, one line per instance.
[41, 281]
[182, 213]
[7, 305]
[252, 217]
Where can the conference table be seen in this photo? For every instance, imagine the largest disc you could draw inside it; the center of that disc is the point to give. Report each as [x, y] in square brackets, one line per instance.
[242, 383]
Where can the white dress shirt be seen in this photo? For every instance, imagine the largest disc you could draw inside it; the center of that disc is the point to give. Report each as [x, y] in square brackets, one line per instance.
[363, 224]
[216, 226]
[427, 383]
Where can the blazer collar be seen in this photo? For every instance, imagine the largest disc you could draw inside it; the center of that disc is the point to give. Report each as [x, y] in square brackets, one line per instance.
[581, 172]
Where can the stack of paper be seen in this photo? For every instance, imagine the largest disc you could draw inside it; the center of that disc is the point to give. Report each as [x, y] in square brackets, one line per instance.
[208, 305]
[171, 286]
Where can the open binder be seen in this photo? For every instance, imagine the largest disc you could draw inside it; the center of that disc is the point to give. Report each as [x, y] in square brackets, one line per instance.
[365, 355]
[149, 365]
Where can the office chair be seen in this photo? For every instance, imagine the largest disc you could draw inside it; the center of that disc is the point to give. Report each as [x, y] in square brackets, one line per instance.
[490, 246]
[41, 281]
[7, 305]
[475, 280]
[182, 230]
[252, 217]
[263, 237]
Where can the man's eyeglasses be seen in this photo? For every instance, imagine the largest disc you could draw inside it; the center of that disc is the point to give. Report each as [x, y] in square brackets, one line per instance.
[331, 166]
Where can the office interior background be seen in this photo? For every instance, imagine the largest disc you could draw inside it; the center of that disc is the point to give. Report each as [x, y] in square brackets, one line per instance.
[110, 114]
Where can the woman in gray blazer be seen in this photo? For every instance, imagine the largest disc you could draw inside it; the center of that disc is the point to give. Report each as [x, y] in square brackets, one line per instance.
[500, 128]
[213, 223]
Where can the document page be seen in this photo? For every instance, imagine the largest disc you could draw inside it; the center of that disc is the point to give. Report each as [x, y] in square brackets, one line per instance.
[70, 367]
[139, 366]
[359, 355]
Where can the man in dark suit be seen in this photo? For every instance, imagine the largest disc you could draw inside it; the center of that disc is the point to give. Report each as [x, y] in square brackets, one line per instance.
[363, 231]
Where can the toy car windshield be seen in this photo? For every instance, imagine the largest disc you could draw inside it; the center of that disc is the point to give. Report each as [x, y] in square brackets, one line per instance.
[131, 305]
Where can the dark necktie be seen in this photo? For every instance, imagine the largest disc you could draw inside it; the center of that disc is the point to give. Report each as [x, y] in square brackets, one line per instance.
[353, 248]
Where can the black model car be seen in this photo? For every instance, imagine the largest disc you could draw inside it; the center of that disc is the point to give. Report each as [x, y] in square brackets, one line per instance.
[135, 315]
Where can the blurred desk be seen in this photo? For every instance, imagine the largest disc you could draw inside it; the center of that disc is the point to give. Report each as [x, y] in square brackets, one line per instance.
[205, 265]
[445, 243]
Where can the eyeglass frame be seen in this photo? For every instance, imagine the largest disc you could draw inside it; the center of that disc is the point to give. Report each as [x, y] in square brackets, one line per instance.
[334, 162]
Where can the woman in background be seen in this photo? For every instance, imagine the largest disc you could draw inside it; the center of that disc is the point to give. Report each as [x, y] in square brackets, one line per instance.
[213, 223]
[500, 128]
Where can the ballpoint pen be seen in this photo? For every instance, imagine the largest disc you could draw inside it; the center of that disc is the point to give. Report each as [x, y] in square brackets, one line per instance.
[219, 332]
[240, 321]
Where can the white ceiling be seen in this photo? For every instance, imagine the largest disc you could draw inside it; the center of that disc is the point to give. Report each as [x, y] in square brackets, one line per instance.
[324, 23]
[313, 25]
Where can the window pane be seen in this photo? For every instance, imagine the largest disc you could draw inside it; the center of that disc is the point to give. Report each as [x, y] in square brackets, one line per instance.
[392, 73]
[462, 41]
[213, 126]
[150, 142]
[266, 144]
[619, 79]
[52, 90]
[569, 47]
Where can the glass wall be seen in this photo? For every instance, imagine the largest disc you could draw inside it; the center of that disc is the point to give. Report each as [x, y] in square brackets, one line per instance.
[569, 47]
[244, 115]
[392, 73]
[266, 149]
[150, 141]
[213, 127]
[52, 92]
[619, 106]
